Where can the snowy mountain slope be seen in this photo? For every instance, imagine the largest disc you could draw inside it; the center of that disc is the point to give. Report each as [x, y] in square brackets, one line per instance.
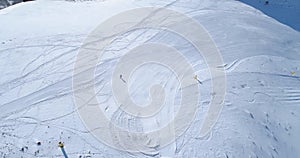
[39, 43]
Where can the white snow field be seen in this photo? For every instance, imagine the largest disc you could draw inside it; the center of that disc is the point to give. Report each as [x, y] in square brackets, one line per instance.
[39, 42]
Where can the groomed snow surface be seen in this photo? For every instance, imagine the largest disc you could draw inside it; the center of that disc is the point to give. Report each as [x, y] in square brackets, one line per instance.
[39, 42]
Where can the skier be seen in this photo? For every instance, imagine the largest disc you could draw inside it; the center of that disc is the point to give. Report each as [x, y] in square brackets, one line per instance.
[121, 77]
[196, 78]
[61, 146]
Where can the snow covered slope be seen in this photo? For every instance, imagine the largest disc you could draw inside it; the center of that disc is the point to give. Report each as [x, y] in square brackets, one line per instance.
[39, 42]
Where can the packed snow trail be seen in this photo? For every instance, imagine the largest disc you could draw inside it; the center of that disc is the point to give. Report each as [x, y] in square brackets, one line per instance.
[39, 42]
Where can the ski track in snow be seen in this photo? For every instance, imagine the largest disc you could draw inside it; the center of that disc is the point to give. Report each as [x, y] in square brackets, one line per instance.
[261, 111]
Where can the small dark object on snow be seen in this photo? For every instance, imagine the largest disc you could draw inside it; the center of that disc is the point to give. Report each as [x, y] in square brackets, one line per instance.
[38, 143]
[36, 152]
[251, 115]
